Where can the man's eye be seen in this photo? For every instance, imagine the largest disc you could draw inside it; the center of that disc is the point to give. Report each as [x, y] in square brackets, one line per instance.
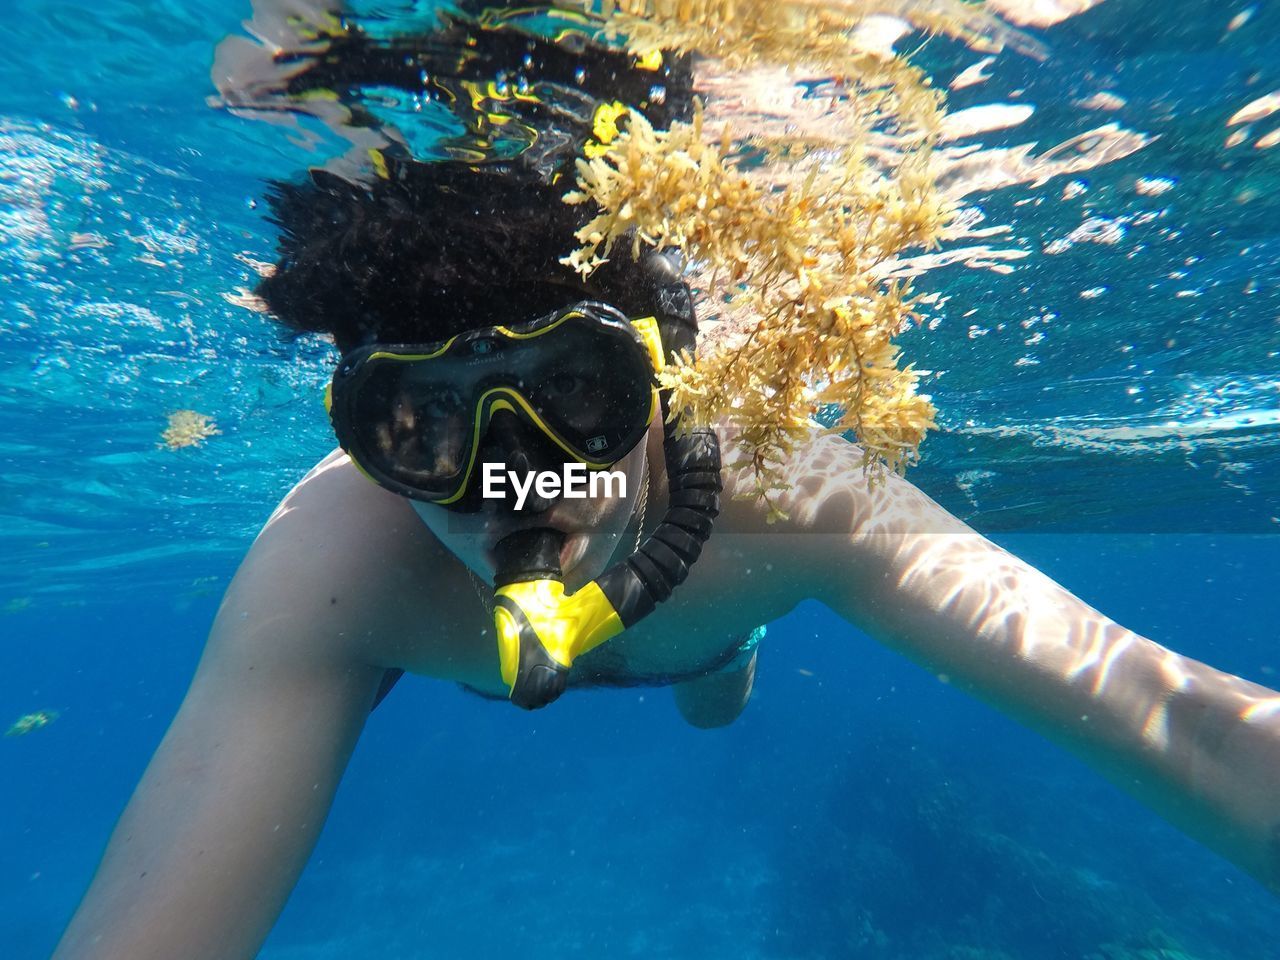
[564, 385]
[439, 403]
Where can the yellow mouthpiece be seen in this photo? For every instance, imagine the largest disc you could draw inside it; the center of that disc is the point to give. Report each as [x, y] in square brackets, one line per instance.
[540, 629]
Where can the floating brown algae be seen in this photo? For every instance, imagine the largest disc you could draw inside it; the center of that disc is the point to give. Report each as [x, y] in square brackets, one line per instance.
[188, 429]
[799, 252]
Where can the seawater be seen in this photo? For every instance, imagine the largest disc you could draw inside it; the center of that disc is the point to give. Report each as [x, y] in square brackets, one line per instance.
[1109, 413]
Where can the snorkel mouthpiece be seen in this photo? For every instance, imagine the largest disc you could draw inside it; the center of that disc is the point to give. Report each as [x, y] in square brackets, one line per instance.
[540, 628]
[528, 555]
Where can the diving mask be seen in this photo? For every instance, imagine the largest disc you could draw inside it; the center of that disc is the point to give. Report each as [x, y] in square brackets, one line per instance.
[415, 418]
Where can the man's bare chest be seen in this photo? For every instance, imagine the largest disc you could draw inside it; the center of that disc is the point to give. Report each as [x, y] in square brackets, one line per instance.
[450, 634]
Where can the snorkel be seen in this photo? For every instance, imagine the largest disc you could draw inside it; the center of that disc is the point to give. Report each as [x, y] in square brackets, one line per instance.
[540, 628]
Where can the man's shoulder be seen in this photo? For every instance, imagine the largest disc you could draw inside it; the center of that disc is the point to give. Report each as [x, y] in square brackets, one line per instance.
[337, 518]
[342, 558]
[335, 485]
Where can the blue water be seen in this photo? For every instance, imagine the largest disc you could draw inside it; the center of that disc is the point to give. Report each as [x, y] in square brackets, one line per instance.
[860, 807]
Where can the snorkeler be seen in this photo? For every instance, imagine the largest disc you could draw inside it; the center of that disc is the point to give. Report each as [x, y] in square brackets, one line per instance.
[573, 388]
[466, 341]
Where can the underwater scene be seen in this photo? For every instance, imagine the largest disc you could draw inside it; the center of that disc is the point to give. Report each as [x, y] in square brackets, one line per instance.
[1060, 321]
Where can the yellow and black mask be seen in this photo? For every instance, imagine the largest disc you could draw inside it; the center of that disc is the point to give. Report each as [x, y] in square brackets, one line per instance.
[576, 385]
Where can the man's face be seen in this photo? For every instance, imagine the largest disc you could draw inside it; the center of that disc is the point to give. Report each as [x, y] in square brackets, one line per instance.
[593, 526]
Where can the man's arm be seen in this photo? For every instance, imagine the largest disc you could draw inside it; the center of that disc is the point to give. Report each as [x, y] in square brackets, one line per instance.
[223, 821]
[1200, 746]
[225, 816]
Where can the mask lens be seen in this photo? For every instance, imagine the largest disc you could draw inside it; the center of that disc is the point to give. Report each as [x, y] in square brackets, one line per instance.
[414, 428]
[581, 381]
[597, 408]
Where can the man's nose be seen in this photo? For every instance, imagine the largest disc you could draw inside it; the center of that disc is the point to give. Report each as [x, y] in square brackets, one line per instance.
[507, 441]
[520, 450]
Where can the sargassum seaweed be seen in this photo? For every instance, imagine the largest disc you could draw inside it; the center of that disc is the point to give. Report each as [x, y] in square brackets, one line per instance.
[187, 428]
[794, 253]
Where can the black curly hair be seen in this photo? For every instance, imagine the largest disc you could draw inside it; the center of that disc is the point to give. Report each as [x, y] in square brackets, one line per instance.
[475, 236]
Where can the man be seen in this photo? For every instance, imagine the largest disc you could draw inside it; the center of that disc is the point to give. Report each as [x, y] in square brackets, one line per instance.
[348, 580]
[351, 581]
